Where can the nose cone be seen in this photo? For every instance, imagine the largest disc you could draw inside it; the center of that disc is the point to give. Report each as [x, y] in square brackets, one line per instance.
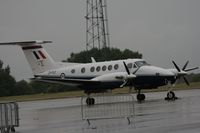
[153, 70]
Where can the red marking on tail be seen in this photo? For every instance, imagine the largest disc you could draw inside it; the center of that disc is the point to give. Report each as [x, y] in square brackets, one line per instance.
[42, 54]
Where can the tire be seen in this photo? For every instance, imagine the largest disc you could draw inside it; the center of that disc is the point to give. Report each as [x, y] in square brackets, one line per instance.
[141, 97]
[12, 129]
[90, 101]
[171, 95]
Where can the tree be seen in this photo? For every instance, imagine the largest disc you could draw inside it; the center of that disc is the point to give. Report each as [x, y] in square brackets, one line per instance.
[39, 87]
[7, 69]
[1, 64]
[7, 82]
[22, 88]
[104, 54]
[196, 78]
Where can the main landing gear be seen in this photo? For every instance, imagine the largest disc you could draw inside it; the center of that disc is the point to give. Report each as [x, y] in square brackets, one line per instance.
[90, 101]
[140, 97]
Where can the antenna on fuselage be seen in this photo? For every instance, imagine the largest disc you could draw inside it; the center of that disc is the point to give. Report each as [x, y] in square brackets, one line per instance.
[93, 60]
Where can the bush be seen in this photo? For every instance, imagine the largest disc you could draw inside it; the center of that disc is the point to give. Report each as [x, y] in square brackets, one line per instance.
[22, 88]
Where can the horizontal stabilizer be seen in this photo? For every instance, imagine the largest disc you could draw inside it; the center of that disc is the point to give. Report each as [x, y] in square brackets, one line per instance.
[26, 42]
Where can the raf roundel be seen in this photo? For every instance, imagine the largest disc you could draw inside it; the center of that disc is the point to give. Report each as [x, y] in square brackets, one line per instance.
[62, 76]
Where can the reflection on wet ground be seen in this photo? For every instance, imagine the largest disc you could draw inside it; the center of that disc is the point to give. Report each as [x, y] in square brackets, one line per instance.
[153, 115]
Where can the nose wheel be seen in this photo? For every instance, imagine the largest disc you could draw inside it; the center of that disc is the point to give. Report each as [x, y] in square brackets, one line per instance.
[171, 96]
[90, 101]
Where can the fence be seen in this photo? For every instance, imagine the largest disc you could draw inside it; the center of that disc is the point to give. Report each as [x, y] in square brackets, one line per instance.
[108, 106]
[9, 117]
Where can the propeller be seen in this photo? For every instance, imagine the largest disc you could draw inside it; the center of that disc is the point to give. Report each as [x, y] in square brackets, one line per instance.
[182, 72]
[129, 78]
[126, 67]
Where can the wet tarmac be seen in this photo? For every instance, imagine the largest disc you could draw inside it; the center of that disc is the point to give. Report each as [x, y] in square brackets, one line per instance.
[155, 115]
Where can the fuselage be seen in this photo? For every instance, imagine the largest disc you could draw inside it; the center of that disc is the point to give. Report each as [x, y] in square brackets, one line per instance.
[112, 74]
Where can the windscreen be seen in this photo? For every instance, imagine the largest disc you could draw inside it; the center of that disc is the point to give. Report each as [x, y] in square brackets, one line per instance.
[141, 63]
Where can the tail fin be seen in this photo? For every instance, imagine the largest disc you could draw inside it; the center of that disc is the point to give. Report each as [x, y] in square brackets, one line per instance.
[38, 59]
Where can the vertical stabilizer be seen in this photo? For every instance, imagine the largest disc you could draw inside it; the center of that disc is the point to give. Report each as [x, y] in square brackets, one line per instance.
[37, 57]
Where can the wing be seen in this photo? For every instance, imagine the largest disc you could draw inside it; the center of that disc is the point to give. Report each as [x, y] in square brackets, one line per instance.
[75, 82]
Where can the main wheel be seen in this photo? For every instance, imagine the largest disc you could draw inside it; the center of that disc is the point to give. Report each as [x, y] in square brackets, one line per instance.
[90, 101]
[12, 129]
[141, 97]
[93, 101]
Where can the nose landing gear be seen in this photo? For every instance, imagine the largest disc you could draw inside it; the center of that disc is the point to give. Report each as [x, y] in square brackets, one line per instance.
[171, 96]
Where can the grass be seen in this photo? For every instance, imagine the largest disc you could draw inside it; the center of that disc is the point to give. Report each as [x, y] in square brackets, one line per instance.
[70, 94]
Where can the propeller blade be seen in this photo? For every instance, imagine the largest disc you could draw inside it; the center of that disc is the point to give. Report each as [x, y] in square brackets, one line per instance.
[186, 81]
[183, 71]
[190, 69]
[136, 70]
[176, 66]
[126, 67]
[184, 67]
[125, 83]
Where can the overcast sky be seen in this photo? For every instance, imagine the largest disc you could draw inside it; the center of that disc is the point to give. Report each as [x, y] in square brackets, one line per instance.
[162, 30]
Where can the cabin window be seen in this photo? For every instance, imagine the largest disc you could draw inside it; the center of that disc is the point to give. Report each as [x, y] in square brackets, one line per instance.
[73, 71]
[110, 67]
[104, 68]
[116, 66]
[83, 70]
[98, 68]
[92, 69]
[130, 65]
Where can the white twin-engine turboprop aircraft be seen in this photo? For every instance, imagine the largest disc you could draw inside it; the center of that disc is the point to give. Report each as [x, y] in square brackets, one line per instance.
[98, 77]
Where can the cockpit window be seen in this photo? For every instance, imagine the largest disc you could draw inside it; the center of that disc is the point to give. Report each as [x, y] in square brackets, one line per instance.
[134, 66]
[141, 63]
[129, 65]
